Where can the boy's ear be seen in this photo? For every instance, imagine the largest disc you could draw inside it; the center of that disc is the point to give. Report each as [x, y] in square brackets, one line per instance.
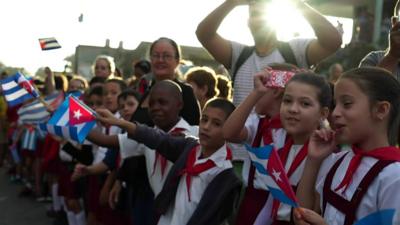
[381, 110]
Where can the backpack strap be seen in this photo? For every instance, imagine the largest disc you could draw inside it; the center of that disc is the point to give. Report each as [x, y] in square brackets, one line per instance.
[287, 53]
[344, 205]
[283, 47]
[244, 55]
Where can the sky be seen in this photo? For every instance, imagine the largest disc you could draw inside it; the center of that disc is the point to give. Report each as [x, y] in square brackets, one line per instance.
[130, 21]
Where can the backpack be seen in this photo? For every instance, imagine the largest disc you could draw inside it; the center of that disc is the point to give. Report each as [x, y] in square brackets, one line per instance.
[283, 47]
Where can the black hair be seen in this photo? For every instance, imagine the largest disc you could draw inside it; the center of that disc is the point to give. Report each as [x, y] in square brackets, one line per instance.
[172, 42]
[379, 85]
[96, 90]
[221, 103]
[144, 65]
[324, 94]
[120, 82]
[101, 80]
[129, 92]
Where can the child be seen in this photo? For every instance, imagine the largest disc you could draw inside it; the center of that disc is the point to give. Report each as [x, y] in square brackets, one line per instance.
[257, 130]
[364, 177]
[204, 83]
[128, 102]
[305, 103]
[201, 187]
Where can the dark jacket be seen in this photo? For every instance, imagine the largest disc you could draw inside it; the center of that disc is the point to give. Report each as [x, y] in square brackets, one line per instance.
[221, 195]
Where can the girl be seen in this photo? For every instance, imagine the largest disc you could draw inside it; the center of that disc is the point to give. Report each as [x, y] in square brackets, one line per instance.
[257, 129]
[104, 66]
[204, 83]
[363, 177]
[305, 104]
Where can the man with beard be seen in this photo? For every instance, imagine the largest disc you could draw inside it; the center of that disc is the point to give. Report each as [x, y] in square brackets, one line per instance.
[245, 61]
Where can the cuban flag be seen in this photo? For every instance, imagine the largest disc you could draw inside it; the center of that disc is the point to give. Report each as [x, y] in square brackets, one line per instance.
[18, 89]
[35, 112]
[382, 217]
[267, 162]
[73, 120]
[49, 43]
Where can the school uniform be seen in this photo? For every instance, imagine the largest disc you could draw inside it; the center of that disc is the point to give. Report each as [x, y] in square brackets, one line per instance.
[261, 131]
[375, 181]
[197, 190]
[156, 165]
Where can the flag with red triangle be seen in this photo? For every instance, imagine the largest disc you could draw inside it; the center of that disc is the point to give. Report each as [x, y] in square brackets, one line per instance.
[73, 120]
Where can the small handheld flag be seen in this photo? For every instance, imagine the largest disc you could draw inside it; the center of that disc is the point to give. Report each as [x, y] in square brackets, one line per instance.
[73, 120]
[267, 162]
[18, 89]
[49, 43]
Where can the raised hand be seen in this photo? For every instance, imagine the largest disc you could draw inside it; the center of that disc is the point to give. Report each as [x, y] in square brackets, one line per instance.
[322, 143]
[260, 79]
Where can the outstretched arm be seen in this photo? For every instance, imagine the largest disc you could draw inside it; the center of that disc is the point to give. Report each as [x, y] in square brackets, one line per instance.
[100, 139]
[234, 127]
[206, 32]
[328, 38]
[170, 147]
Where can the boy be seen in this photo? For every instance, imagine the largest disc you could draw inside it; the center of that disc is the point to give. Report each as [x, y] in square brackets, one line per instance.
[207, 188]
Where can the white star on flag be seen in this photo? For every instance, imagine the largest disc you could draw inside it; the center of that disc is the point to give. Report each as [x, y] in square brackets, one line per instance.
[77, 114]
[277, 175]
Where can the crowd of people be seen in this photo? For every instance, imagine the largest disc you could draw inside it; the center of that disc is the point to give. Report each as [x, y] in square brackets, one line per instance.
[173, 148]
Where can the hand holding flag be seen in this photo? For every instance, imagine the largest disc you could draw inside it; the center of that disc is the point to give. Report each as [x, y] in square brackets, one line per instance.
[72, 120]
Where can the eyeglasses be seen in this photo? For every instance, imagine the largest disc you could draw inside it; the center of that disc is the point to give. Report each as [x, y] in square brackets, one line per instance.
[164, 57]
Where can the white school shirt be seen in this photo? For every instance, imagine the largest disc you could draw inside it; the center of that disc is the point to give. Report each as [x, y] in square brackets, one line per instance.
[278, 137]
[100, 152]
[130, 147]
[383, 193]
[284, 211]
[183, 209]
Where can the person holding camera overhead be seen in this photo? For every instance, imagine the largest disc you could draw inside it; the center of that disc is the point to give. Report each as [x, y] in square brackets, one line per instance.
[388, 59]
[267, 48]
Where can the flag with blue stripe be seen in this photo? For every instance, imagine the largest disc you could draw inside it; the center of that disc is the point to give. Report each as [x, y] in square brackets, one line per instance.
[267, 162]
[73, 120]
[382, 217]
[35, 112]
[18, 89]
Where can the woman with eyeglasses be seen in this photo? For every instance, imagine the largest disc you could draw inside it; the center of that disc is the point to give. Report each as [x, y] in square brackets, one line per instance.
[165, 56]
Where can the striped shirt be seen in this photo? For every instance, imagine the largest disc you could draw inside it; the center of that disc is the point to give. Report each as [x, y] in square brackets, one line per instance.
[243, 83]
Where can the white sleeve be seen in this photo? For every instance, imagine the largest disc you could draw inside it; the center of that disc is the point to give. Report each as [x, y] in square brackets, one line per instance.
[251, 125]
[129, 147]
[299, 47]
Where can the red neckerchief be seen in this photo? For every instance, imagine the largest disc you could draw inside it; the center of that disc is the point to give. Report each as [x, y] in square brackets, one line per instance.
[299, 158]
[268, 125]
[384, 153]
[162, 159]
[194, 170]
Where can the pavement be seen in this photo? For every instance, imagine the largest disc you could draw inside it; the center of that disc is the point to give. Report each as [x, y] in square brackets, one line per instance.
[16, 210]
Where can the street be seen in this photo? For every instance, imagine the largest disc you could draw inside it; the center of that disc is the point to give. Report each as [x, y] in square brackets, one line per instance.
[16, 210]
